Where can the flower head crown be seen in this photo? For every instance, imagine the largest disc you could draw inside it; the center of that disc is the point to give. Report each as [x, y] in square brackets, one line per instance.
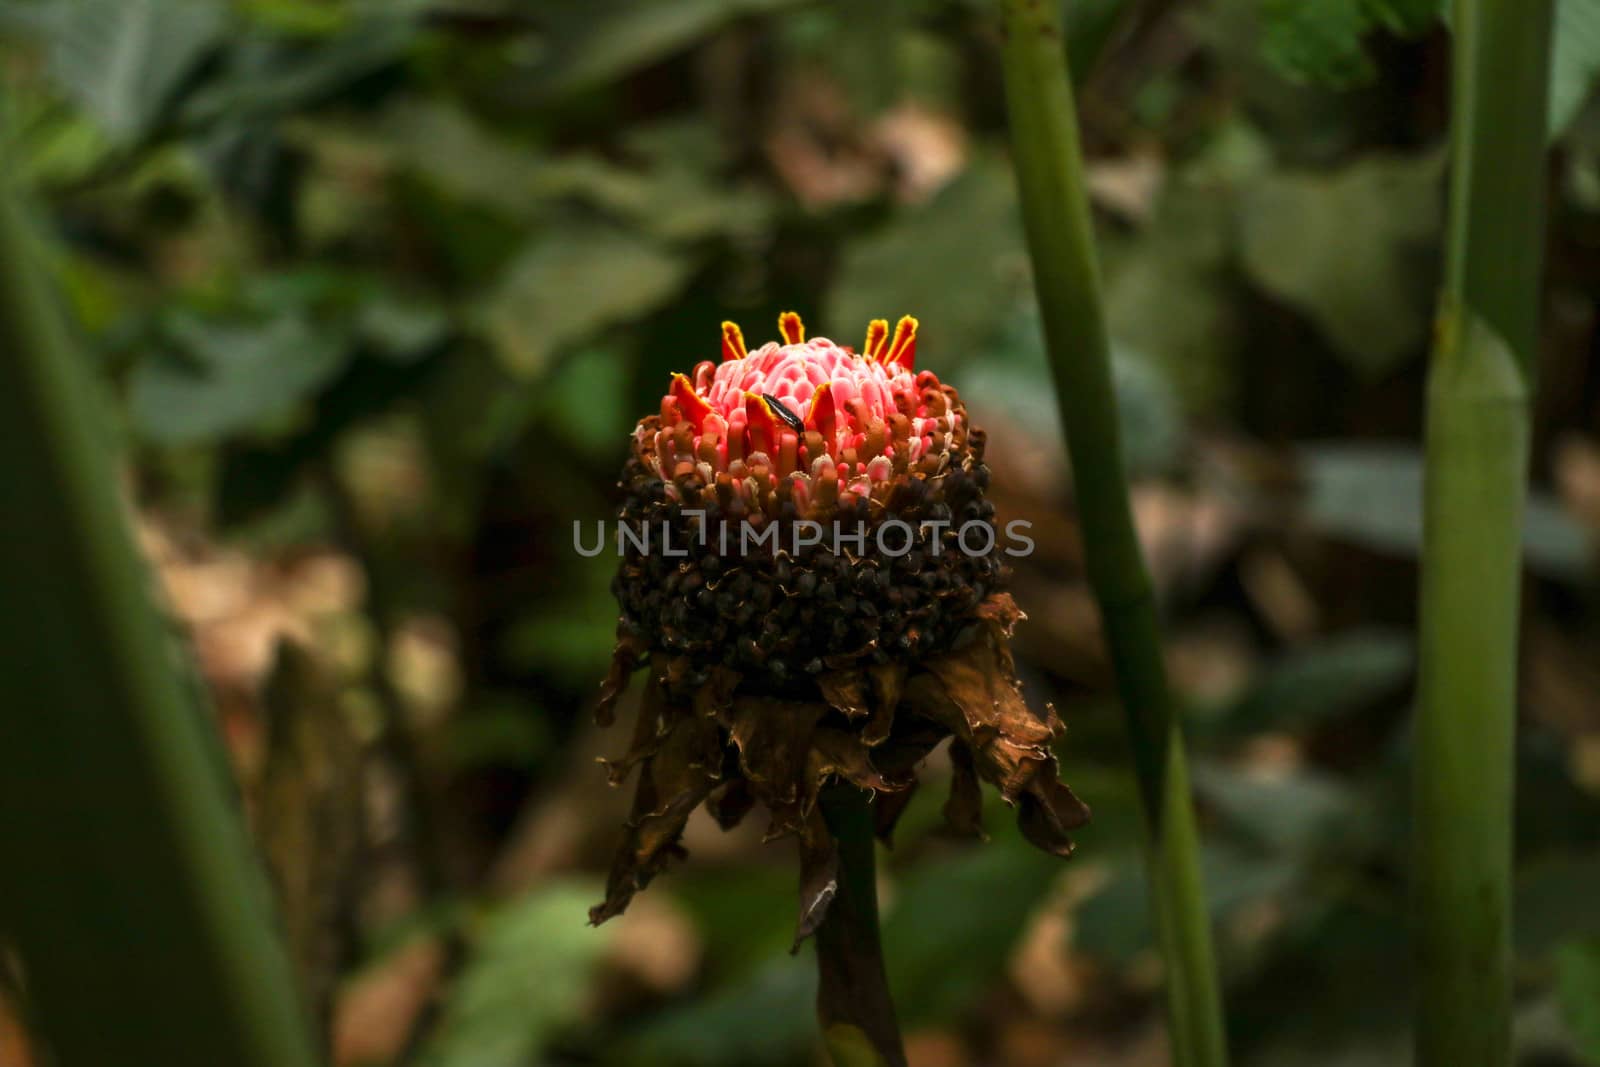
[810, 421]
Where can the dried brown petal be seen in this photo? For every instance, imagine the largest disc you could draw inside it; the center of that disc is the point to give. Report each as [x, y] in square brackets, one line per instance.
[686, 767]
[1002, 610]
[842, 753]
[624, 659]
[1049, 810]
[678, 668]
[842, 660]
[988, 705]
[971, 692]
[845, 691]
[715, 697]
[888, 680]
[647, 732]
[773, 738]
[731, 803]
[887, 811]
[963, 810]
[819, 876]
[914, 738]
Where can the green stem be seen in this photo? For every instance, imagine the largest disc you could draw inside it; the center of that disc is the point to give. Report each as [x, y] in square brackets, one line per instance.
[1055, 211]
[854, 1008]
[1479, 391]
[131, 893]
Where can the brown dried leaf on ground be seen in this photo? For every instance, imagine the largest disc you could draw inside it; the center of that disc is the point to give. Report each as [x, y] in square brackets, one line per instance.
[377, 1009]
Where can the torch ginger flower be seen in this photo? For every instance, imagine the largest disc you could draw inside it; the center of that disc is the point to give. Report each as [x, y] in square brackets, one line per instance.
[808, 420]
[772, 673]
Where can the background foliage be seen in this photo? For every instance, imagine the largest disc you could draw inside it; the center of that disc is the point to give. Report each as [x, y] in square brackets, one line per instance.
[381, 288]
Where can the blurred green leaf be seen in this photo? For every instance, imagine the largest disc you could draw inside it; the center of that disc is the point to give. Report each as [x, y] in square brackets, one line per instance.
[1555, 901]
[1405, 16]
[955, 921]
[572, 637]
[265, 76]
[1354, 250]
[1554, 812]
[458, 154]
[223, 377]
[949, 928]
[1153, 431]
[527, 976]
[474, 411]
[766, 1020]
[1167, 294]
[48, 143]
[1015, 380]
[122, 60]
[956, 263]
[572, 282]
[1322, 41]
[288, 335]
[505, 734]
[1317, 40]
[1336, 987]
[1112, 791]
[849, 1046]
[666, 189]
[1114, 923]
[1324, 681]
[1350, 1050]
[1372, 495]
[1578, 984]
[310, 17]
[674, 192]
[585, 400]
[585, 43]
[745, 914]
[1291, 810]
[401, 329]
[1089, 25]
[1574, 60]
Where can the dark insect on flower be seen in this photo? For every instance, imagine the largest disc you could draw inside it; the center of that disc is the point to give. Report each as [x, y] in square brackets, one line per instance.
[793, 421]
[772, 673]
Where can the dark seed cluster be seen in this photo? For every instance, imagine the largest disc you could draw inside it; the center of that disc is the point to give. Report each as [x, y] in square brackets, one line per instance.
[781, 617]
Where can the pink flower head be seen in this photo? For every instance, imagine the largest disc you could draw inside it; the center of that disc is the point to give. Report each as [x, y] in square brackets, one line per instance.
[813, 416]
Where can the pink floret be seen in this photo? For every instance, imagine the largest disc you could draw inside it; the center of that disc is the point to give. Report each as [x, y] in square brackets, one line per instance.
[863, 419]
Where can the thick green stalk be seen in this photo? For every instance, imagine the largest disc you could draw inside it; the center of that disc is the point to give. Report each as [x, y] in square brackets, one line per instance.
[1479, 390]
[130, 891]
[1055, 212]
[854, 1008]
